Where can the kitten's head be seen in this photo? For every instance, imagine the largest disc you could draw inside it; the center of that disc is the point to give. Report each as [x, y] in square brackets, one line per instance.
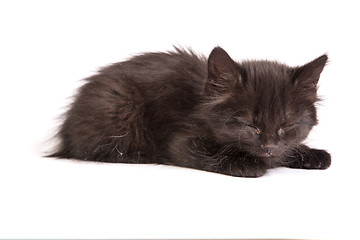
[265, 108]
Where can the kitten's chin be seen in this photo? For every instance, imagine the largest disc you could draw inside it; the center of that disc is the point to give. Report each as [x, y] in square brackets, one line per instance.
[269, 156]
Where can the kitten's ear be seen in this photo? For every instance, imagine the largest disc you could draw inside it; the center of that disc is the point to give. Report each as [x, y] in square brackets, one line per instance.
[308, 75]
[222, 72]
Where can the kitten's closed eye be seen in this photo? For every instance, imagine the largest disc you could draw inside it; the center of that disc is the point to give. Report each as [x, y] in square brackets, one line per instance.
[283, 130]
[256, 130]
[245, 124]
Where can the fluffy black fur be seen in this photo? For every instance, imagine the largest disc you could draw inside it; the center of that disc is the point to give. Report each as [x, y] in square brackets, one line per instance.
[212, 114]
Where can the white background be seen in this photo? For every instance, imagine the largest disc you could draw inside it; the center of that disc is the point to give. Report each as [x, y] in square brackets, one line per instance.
[47, 47]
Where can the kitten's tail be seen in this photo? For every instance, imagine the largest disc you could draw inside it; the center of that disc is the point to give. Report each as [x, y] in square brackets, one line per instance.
[60, 152]
[61, 149]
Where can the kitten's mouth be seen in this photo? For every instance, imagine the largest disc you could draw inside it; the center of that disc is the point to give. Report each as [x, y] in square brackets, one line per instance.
[267, 155]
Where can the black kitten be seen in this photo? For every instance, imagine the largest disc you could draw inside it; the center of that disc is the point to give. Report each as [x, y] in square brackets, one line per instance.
[181, 109]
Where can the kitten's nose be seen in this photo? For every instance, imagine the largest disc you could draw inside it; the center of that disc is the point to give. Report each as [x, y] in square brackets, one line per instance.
[268, 148]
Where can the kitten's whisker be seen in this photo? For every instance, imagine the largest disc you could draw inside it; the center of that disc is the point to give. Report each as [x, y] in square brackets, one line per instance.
[120, 136]
[98, 147]
[121, 153]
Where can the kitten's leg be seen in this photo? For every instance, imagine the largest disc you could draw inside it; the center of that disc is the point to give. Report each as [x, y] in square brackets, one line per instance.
[308, 158]
[240, 165]
[192, 153]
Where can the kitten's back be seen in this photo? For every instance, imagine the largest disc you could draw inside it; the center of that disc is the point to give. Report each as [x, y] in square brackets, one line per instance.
[128, 111]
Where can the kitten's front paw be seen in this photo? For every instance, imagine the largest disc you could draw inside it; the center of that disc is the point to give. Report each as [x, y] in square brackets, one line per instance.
[312, 159]
[250, 171]
[321, 160]
[253, 173]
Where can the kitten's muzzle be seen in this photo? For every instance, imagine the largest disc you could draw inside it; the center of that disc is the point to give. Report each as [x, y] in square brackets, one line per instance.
[269, 148]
